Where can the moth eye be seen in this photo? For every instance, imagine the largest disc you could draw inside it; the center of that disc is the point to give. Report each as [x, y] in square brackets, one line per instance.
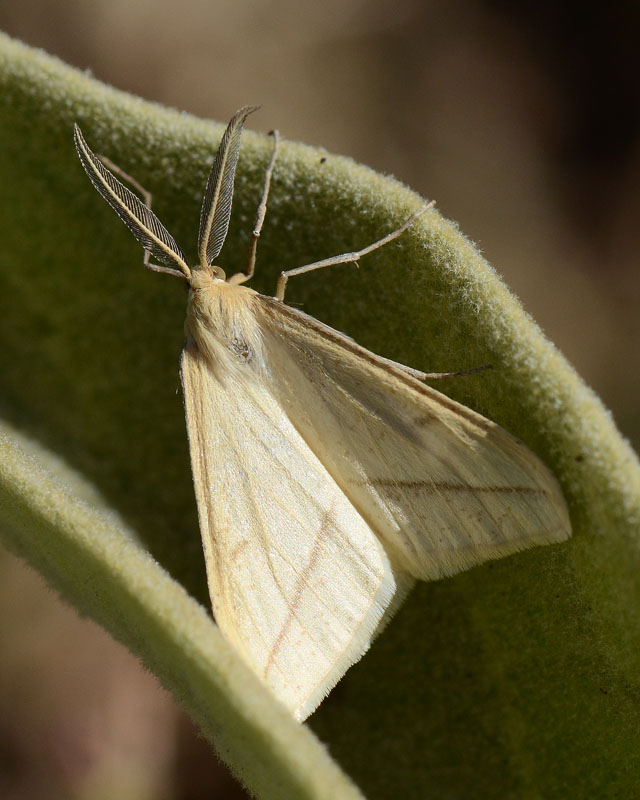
[241, 348]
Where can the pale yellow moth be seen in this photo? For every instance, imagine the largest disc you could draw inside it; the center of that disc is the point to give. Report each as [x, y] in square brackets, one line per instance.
[327, 478]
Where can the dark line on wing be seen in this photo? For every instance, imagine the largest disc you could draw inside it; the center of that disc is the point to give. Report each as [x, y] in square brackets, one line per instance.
[301, 585]
[443, 486]
[355, 557]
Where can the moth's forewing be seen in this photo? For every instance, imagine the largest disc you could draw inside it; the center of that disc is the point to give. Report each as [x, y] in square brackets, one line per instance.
[443, 487]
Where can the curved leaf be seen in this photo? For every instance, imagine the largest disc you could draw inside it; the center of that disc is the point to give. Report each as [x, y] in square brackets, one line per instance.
[519, 678]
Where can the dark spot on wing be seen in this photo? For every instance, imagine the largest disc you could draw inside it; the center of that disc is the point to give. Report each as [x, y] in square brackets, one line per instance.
[241, 348]
[424, 419]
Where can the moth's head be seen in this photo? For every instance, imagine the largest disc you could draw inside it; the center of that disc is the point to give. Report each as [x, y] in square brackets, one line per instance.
[221, 324]
[206, 278]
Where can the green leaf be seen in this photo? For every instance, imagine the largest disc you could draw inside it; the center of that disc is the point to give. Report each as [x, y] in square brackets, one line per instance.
[516, 679]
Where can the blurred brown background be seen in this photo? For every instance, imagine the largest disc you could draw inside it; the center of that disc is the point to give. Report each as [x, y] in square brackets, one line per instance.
[520, 119]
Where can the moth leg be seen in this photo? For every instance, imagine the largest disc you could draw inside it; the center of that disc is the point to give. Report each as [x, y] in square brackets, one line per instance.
[346, 258]
[147, 198]
[241, 277]
[432, 376]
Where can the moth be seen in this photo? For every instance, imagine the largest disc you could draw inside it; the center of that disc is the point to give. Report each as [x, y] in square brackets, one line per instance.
[327, 478]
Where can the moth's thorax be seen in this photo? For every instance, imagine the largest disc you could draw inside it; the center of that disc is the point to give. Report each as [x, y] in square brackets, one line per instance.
[222, 322]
